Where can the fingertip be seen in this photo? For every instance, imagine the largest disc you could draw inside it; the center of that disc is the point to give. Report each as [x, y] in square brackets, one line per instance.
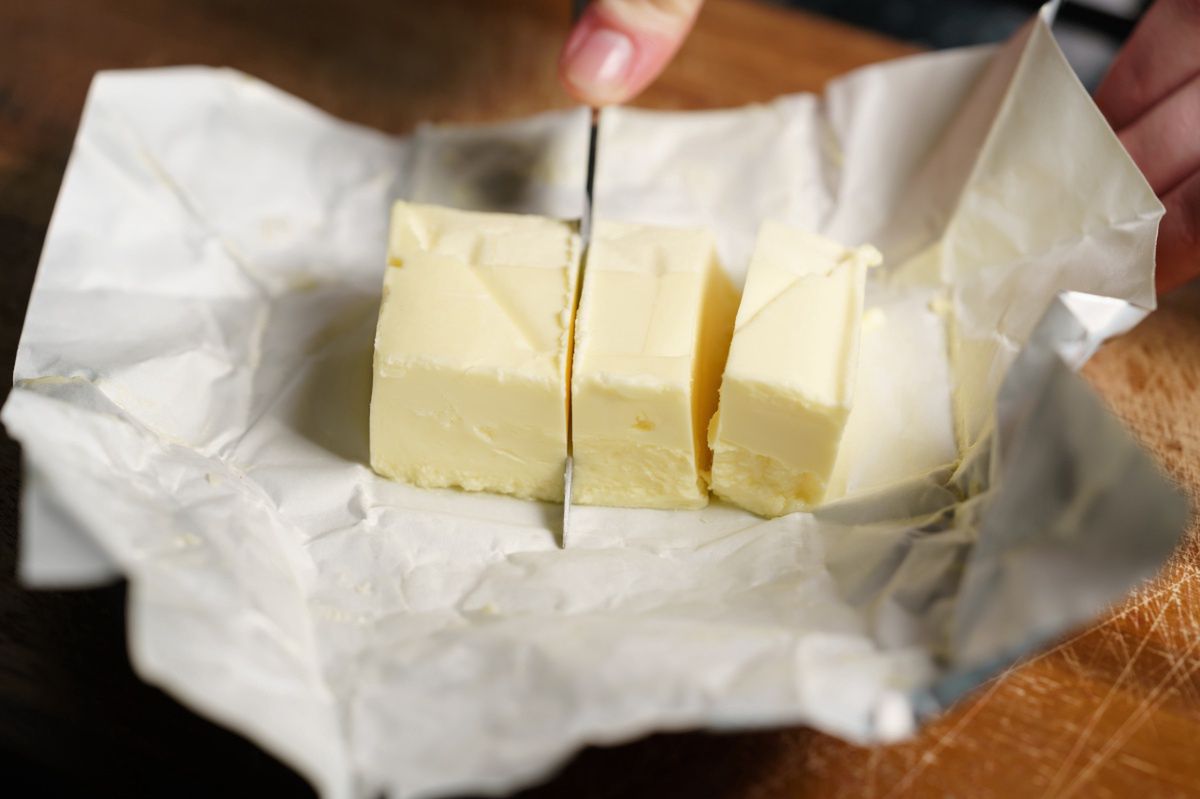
[597, 61]
[606, 60]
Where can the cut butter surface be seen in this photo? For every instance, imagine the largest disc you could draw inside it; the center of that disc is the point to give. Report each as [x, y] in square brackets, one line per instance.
[789, 380]
[652, 334]
[472, 351]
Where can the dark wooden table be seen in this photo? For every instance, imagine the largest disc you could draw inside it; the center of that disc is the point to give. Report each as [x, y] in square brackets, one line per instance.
[1113, 710]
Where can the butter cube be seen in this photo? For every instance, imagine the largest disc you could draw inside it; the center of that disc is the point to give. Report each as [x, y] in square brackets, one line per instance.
[789, 380]
[472, 351]
[651, 338]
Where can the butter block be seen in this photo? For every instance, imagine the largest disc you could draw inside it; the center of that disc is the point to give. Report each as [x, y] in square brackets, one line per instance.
[472, 351]
[651, 337]
[789, 380]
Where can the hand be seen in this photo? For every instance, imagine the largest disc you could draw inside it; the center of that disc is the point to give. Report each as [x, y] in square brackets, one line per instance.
[1151, 97]
[618, 47]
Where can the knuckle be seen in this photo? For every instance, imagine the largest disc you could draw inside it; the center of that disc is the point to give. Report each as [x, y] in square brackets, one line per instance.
[1189, 10]
[1184, 204]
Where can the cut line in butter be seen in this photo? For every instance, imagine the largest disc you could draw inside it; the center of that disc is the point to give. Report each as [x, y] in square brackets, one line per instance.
[651, 338]
[471, 363]
[789, 380]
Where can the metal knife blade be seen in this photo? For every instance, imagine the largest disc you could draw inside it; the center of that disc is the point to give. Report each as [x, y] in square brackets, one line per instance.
[585, 236]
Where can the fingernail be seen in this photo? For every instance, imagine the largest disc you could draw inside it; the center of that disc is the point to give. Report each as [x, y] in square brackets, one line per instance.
[600, 63]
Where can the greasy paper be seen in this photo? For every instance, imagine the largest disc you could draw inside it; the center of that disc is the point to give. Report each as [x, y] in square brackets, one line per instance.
[193, 378]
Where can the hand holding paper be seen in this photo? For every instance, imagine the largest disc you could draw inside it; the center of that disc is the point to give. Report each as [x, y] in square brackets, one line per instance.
[1151, 97]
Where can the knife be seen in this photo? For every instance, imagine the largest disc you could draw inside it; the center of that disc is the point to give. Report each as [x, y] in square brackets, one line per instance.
[585, 236]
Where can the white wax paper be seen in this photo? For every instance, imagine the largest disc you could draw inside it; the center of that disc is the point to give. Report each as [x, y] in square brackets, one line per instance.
[192, 386]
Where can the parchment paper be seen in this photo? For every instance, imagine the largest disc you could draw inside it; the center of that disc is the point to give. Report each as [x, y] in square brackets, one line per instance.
[192, 385]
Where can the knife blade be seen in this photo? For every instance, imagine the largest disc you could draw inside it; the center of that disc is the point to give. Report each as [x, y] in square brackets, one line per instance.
[585, 236]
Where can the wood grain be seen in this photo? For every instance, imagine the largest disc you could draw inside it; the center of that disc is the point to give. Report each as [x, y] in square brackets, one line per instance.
[1112, 710]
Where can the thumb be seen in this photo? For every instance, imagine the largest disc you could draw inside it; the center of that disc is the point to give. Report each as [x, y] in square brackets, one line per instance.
[618, 47]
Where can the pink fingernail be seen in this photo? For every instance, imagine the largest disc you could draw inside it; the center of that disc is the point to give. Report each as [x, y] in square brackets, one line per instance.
[600, 62]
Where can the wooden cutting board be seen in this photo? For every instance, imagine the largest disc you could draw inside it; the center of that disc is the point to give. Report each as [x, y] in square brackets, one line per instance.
[1112, 710]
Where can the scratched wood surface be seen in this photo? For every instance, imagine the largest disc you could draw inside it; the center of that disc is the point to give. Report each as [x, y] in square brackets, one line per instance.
[1113, 710]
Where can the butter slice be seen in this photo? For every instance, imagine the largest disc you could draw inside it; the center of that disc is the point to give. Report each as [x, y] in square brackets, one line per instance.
[789, 381]
[472, 351]
[652, 334]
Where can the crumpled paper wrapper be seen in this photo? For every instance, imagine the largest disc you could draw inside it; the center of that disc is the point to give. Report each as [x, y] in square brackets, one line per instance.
[193, 378]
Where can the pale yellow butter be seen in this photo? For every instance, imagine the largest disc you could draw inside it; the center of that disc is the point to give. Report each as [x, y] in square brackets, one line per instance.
[652, 334]
[789, 380]
[472, 351]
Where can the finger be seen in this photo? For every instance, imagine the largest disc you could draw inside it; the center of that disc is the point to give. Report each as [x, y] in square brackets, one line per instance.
[619, 46]
[1165, 141]
[1161, 55]
[1179, 236]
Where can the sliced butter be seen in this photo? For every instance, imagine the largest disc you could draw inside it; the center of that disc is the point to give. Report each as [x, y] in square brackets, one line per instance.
[789, 380]
[652, 334]
[472, 351]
